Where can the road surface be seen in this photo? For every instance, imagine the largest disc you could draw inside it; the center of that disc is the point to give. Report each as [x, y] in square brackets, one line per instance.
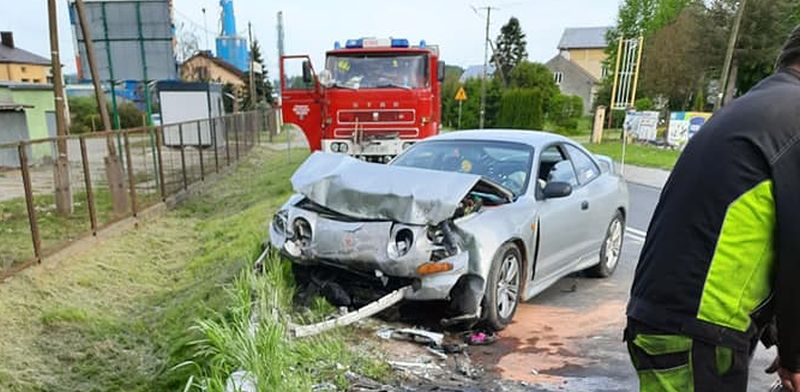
[569, 337]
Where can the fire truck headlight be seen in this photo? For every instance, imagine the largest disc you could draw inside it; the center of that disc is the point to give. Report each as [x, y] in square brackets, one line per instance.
[406, 145]
[343, 148]
[335, 147]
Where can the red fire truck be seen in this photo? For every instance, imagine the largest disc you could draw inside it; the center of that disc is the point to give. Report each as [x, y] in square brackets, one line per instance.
[373, 99]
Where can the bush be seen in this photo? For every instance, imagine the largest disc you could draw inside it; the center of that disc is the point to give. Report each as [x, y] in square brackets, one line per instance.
[84, 109]
[522, 108]
[644, 104]
[565, 111]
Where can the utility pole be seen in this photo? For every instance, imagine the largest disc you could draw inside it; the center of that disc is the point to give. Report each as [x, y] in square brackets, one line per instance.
[485, 66]
[205, 28]
[113, 168]
[100, 95]
[252, 63]
[61, 170]
[726, 68]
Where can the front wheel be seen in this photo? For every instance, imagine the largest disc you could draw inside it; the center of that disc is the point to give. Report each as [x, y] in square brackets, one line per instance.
[503, 287]
[611, 250]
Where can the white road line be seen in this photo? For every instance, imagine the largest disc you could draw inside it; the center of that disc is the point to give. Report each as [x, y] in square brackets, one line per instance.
[634, 238]
[636, 231]
[635, 235]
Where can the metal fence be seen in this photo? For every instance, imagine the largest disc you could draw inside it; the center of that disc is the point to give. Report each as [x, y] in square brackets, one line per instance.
[57, 190]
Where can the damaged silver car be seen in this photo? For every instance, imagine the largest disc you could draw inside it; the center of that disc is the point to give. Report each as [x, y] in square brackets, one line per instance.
[481, 219]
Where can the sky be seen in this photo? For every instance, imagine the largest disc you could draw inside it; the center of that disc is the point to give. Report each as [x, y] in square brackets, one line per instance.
[312, 26]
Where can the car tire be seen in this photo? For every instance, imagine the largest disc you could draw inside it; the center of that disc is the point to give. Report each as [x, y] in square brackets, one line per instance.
[503, 287]
[611, 250]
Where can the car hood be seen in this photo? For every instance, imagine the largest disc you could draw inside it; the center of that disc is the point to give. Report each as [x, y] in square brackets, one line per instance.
[363, 190]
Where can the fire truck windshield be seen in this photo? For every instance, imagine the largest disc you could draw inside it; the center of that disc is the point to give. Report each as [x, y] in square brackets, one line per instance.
[372, 71]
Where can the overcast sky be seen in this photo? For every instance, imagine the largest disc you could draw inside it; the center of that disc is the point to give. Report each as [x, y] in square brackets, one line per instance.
[312, 26]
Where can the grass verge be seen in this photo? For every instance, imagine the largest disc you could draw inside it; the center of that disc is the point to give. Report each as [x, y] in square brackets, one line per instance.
[637, 154]
[123, 314]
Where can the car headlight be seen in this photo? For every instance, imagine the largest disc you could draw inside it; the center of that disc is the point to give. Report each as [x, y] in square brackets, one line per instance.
[279, 221]
[403, 240]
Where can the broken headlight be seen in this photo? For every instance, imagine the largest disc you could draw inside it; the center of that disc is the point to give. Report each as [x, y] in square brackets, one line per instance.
[403, 241]
[279, 221]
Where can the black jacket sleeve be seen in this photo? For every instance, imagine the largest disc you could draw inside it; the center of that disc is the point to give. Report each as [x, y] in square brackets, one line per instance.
[786, 192]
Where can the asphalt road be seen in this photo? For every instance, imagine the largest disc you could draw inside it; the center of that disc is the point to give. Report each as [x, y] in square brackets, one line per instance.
[569, 337]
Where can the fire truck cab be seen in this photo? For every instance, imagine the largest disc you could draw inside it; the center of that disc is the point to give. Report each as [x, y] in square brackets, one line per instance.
[373, 99]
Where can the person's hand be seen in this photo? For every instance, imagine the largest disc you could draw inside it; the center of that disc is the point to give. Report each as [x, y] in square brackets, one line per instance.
[789, 379]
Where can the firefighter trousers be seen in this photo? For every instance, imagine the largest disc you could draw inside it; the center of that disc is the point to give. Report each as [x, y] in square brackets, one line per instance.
[674, 363]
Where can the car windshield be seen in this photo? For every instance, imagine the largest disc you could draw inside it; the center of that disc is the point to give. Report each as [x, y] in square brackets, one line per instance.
[505, 163]
[377, 71]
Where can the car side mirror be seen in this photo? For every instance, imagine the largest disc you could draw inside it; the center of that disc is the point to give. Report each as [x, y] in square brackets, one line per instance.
[307, 78]
[441, 71]
[557, 190]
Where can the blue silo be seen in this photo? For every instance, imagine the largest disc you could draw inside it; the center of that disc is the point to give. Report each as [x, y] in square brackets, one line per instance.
[231, 47]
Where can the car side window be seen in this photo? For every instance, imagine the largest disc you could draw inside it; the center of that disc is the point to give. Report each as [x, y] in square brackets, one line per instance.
[584, 165]
[555, 167]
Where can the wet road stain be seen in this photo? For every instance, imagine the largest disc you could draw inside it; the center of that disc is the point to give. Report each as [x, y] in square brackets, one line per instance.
[544, 343]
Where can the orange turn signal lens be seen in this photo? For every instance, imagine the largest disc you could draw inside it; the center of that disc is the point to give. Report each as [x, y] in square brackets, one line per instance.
[434, 268]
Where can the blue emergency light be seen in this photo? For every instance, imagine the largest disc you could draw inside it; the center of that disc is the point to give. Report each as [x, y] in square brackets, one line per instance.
[354, 43]
[358, 43]
[337, 45]
[399, 43]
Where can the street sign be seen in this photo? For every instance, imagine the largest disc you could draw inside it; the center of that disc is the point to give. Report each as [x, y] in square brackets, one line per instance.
[461, 95]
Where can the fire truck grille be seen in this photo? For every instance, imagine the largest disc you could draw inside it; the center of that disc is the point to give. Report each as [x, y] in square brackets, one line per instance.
[376, 116]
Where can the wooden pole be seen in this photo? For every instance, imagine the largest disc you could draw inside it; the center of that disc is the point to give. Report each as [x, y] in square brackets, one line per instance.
[99, 94]
[726, 68]
[63, 195]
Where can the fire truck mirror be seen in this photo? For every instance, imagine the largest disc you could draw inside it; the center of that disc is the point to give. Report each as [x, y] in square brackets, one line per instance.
[326, 78]
[440, 71]
[307, 73]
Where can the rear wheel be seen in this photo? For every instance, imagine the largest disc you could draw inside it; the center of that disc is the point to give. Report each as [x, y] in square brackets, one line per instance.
[503, 287]
[611, 250]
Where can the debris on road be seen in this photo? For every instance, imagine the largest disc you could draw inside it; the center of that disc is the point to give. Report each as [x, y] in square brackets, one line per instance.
[413, 335]
[373, 308]
[480, 338]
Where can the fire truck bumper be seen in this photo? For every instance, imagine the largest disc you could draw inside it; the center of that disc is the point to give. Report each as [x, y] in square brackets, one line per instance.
[372, 148]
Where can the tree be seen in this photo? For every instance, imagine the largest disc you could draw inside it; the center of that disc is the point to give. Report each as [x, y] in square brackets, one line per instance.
[510, 48]
[534, 76]
[262, 83]
[674, 63]
[450, 86]
[187, 43]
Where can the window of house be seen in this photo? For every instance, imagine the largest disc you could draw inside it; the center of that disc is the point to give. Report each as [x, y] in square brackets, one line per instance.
[23, 69]
[37, 80]
[26, 80]
[604, 71]
[558, 77]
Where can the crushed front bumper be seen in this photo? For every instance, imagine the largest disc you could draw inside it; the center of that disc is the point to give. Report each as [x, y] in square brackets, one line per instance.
[368, 248]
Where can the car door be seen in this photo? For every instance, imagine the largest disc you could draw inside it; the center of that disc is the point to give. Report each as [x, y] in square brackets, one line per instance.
[560, 239]
[595, 213]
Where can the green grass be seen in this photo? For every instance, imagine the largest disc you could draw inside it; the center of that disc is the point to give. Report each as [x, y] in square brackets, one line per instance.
[637, 154]
[125, 313]
[54, 228]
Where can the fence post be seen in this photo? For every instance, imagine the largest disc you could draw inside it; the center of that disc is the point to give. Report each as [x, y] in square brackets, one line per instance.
[216, 145]
[26, 183]
[163, 180]
[236, 135]
[87, 177]
[183, 157]
[226, 122]
[131, 174]
[152, 133]
[200, 151]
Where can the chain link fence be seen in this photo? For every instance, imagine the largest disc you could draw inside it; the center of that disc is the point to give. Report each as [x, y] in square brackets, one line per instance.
[57, 190]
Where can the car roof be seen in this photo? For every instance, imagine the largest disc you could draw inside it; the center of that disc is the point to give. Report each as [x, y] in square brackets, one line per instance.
[531, 138]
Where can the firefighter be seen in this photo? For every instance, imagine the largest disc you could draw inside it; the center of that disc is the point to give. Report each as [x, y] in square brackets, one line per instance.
[722, 257]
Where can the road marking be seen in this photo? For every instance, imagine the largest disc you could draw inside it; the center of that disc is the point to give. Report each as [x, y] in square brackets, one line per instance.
[635, 235]
[636, 231]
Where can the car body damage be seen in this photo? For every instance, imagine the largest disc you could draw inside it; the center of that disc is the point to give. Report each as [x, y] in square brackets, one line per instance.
[365, 218]
[437, 219]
